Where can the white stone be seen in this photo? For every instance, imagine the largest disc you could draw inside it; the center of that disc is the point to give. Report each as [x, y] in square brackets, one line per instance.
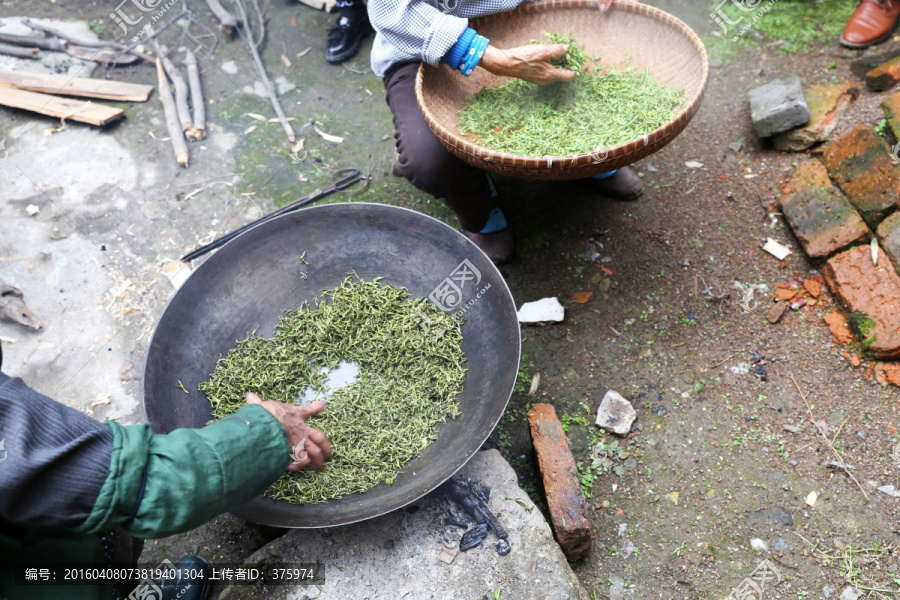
[546, 310]
[850, 593]
[890, 491]
[615, 413]
[758, 545]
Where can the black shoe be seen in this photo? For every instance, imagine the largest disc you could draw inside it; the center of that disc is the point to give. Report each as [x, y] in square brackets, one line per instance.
[345, 38]
[190, 583]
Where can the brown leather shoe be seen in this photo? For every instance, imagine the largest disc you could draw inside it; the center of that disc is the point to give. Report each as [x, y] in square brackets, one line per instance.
[498, 245]
[624, 185]
[871, 23]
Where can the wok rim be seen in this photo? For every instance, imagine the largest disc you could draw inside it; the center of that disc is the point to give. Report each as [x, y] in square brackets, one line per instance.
[250, 510]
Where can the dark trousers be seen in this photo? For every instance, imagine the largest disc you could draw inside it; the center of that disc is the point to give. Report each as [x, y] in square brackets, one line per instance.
[425, 163]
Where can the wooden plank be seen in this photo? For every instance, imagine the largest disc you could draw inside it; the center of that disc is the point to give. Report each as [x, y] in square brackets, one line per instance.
[54, 106]
[75, 86]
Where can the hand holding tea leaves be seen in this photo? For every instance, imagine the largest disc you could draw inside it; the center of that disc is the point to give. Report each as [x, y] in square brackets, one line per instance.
[316, 448]
[531, 63]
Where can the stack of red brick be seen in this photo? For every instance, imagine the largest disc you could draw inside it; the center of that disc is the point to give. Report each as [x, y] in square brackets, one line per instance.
[835, 206]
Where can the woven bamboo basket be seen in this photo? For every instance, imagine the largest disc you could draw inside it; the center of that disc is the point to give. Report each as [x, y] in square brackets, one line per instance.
[651, 38]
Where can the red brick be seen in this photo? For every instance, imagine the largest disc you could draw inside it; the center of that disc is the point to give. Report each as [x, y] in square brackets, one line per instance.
[884, 77]
[874, 290]
[813, 285]
[561, 482]
[826, 103]
[890, 373]
[840, 331]
[891, 108]
[860, 163]
[776, 311]
[821, 217]
[889, 237]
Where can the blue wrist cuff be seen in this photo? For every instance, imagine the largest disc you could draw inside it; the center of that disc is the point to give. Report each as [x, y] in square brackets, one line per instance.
[496, 221]
[455, 54]
[605, 175]
[473, 55]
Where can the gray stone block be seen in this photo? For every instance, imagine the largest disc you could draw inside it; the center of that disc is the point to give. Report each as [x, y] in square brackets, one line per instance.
[408, 554]
[778, 106]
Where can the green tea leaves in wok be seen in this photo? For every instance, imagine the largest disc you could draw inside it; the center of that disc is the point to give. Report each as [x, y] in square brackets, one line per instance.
[410, 362]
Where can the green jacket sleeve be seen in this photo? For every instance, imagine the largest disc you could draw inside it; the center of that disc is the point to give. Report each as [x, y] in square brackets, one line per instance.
[192, 474]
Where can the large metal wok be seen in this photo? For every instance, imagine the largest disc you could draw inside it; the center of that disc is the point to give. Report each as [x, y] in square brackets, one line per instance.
[247, 285]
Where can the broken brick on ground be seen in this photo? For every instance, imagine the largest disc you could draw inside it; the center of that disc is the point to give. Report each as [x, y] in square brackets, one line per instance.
[860, 163]
[822, 218]
[562, 484]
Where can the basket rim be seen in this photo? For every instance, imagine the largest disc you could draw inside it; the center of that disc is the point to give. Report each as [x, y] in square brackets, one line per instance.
[672, 127]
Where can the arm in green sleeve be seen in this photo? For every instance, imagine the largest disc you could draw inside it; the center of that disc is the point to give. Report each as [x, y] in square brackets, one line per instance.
[192, 474]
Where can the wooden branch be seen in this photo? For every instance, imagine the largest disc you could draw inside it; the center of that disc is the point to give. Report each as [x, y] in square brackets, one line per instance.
[33, 41]
[104, 56]
[109, 53]
[72, 40]
[181, 88]
[75, 86]
[247, 35]
[176, 135]
[825, 437]
[19, 51]
[63, 108]
[198, 131]
[228, 21]
[181, 93]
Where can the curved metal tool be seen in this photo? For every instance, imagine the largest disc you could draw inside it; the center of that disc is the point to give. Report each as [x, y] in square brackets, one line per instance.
[341, 180]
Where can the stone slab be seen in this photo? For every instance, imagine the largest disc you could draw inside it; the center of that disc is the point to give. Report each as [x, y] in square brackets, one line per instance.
[826, 103]
[873, 290]
[561, 482]
[888, 233]
[778, 106]
[399, 555]
[884, 77]
[860, 163]
[822, 218]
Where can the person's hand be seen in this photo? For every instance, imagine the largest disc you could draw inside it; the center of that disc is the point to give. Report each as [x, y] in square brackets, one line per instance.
[531, 63]
[309, 446]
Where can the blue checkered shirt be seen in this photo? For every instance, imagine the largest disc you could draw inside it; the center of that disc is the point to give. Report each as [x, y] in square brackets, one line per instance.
[423, 29]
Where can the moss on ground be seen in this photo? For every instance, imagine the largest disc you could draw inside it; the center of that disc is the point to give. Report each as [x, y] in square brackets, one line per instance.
[799, 24]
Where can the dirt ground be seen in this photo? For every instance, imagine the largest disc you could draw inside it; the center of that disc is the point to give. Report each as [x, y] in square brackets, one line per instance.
[710, 465]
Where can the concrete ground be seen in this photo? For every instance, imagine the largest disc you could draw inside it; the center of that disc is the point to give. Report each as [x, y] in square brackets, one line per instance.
[711, 466]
